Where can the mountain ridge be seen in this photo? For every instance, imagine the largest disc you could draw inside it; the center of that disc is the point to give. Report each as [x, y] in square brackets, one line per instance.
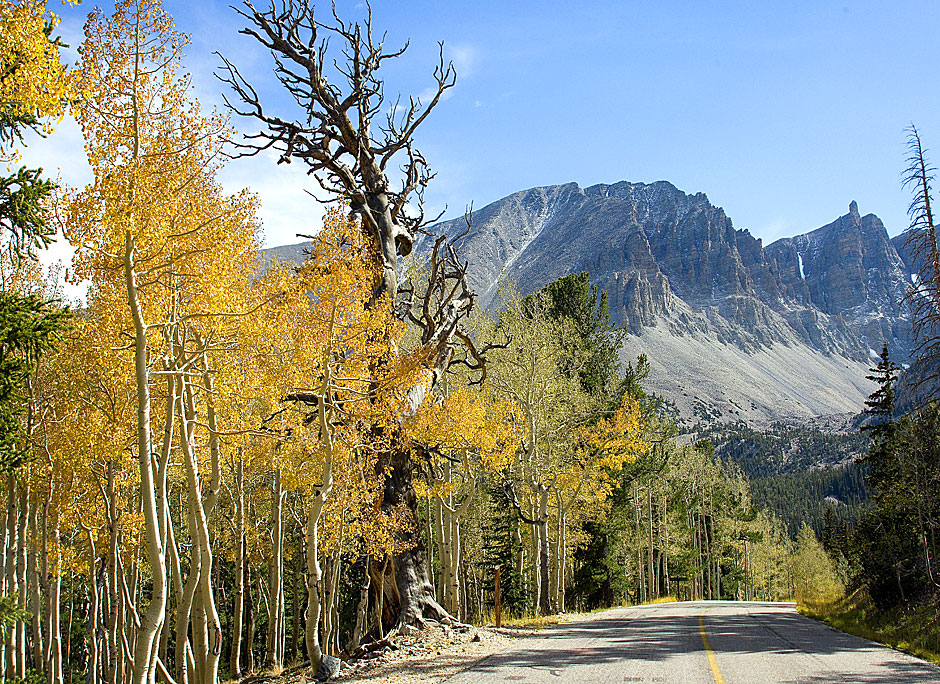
[699, 295]
[757, 333]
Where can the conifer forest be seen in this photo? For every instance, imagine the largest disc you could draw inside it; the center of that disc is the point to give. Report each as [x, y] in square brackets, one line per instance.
[220, 463]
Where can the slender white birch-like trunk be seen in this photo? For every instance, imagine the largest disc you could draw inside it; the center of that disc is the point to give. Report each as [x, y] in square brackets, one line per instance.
[315, 510]
[274, 657]
[235, 668]
[145, 653]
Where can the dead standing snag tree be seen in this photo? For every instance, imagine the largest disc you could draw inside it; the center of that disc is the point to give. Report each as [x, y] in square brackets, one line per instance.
[338, 140]
[350, 138]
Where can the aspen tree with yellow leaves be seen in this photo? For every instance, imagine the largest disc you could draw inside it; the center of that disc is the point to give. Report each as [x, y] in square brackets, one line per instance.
[463, 436]
[172, 258]
[345, 368]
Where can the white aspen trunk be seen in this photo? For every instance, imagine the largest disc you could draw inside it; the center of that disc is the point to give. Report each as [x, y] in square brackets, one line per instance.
[295, 607]
[199, 625]
[115, 653]
[185, 659]
[458, 589]
[314, 576]
[448, 567]
[665, 545]
[326, 600]
[37, 609]
[519, 559]
[337, 574]
[93, 609]
[314, 572]
[641, 581]
[274, 656]
[534, 589]
[433, 542]
[315, 510]
[176, 575]
[249, 665]
[22, 594]
[9, 584]
[654, 584]
[235, 668]
[555, 575]
[206, 617]
[55, 631]
[4, 569]
[545, 607]
[144, 671]
[462, 574]
[447, 559]
[331, 628]
[438, 511]
[563, 555]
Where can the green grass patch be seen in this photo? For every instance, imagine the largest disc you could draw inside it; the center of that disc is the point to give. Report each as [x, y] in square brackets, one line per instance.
[914, 629]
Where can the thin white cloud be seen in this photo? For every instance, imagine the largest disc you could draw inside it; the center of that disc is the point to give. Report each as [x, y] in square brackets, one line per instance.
[286, 205]
[465, 58]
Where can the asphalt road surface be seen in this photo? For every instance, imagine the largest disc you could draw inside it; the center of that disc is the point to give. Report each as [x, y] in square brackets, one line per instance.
[705, 642]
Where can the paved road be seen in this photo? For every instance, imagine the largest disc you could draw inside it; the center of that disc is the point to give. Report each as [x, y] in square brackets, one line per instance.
[706, 642]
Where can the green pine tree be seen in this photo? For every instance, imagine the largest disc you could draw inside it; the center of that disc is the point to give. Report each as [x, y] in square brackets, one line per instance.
[500, 547]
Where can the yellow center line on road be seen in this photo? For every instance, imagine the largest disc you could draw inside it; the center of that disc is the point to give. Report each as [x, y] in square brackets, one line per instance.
[716, 672]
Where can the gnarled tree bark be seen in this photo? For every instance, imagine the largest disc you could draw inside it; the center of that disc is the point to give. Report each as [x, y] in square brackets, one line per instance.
[348, 137]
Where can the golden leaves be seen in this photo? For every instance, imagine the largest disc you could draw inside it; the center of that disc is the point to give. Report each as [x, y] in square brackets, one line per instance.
[467, 421]
[613, 441]
[34, 84]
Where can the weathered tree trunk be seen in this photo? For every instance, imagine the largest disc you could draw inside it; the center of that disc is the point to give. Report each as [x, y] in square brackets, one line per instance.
[413, 600]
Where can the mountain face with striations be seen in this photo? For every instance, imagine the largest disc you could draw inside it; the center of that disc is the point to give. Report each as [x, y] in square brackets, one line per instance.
[733, 329]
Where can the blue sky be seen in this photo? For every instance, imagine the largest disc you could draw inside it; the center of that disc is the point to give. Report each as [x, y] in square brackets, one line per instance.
[782, 113]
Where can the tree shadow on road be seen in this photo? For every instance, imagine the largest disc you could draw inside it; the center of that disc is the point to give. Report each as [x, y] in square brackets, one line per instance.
[655, 633]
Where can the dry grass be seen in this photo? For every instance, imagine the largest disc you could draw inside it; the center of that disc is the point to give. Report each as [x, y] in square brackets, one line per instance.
[912, 629]
[661, 599]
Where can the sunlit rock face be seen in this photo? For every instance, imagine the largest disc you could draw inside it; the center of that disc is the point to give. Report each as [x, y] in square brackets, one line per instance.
[752, 332]
[673, 264]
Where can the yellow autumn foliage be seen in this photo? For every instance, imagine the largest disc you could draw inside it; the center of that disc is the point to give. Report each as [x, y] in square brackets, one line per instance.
[34, 84]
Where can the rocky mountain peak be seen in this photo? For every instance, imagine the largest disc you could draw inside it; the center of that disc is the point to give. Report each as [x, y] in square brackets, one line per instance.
[700, 297]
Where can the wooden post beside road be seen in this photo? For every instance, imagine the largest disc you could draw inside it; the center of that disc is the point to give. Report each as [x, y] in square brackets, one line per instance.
[499, 608]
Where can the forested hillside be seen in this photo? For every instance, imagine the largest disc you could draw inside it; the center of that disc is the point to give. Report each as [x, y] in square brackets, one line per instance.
[802, 473]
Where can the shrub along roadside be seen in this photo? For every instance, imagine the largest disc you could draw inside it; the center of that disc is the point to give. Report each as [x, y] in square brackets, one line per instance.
[913, 629]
